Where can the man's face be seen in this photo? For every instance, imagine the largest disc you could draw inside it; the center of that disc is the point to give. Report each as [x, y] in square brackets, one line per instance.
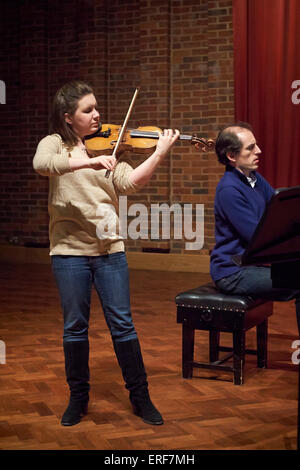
[247, 159]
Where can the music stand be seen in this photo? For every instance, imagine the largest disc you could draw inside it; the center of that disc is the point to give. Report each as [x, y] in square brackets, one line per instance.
[276, 241]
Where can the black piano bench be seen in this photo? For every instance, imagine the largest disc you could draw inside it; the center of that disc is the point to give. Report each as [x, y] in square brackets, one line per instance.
[205, 308]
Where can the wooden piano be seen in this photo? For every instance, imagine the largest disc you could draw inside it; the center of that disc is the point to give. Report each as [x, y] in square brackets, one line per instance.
[276, 242]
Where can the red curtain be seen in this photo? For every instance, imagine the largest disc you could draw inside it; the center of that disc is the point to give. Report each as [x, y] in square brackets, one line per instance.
[267, 66]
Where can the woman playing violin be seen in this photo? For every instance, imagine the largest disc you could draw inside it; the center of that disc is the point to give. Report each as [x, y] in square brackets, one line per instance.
[80, 258]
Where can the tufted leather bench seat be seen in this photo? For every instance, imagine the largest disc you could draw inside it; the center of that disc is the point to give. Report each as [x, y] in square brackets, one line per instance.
[205, 308]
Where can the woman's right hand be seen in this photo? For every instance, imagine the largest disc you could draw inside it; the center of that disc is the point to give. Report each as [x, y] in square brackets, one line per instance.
[101, 162]
[96, 163]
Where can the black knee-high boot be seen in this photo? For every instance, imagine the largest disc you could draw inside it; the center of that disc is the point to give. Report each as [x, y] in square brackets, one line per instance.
[131, 362]
[77, 374]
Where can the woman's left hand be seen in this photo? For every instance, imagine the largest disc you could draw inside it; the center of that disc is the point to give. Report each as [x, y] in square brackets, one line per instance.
[142, 174]
[166, 141]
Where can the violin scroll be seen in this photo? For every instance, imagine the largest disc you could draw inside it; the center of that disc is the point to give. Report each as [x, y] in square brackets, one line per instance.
[208, 144]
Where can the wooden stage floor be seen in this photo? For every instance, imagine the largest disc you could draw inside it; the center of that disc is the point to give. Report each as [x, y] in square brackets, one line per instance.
[206, 413]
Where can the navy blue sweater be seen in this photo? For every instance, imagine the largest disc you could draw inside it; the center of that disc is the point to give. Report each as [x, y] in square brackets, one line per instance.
[238, 209]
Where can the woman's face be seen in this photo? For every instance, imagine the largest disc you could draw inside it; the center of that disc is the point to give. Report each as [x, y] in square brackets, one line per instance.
[85, 120]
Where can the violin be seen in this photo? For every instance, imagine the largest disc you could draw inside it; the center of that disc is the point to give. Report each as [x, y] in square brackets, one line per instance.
[113, 137]
[140, 140]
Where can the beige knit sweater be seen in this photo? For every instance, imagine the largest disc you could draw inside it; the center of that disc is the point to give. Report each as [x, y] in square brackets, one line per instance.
[76, 200]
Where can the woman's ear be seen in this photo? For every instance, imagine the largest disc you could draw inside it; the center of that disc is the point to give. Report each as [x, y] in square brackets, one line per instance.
[68, 118]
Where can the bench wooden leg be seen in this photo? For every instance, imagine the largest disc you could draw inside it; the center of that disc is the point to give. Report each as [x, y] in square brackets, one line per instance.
[238, 356]
[188, 339]
[262, 344]
[214, 340]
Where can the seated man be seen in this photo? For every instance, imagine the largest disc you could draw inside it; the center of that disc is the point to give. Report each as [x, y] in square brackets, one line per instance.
[240, 201]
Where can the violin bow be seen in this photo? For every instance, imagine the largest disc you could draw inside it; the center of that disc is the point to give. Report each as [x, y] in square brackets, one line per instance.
[123, 127]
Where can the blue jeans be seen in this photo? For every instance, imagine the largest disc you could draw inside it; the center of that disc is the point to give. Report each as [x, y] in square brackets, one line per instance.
[75, 276]
[256, 282]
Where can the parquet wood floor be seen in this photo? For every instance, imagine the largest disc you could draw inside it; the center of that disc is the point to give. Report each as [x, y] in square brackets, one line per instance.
[207, 412]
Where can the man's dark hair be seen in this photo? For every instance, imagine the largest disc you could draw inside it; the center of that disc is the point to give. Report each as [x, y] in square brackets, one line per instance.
[228, 141]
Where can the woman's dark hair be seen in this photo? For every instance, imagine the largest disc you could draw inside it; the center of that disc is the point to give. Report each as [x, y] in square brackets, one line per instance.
[66, 101]
[228, 141]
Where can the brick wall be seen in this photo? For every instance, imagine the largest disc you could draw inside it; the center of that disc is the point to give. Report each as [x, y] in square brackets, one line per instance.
[180, 52]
